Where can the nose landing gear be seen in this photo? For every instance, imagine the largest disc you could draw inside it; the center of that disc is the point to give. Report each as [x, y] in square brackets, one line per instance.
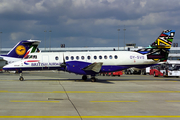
[21, 76]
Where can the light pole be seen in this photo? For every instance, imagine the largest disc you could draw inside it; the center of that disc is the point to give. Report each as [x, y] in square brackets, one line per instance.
[0, 42]
[45, 39]
[118, 38]
[50, 41]
[124, 37]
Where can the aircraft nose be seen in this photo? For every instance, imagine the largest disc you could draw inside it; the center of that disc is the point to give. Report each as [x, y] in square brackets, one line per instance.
[8, 67]
[5, 67]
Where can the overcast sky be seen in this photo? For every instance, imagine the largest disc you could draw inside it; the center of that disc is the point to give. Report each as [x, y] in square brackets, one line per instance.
[92, 23]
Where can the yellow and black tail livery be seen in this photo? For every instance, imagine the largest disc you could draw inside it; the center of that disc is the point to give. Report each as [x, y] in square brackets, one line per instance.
[159, 50]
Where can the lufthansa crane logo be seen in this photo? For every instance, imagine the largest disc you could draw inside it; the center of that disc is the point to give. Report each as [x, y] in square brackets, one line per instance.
[20, 50]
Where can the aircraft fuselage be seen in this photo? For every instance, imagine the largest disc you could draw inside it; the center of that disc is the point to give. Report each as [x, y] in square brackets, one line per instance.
[77, 61]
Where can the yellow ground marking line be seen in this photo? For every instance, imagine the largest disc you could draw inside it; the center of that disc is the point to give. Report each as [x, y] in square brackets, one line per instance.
[155, 116]
[5, 91]
[34, 101]
[113, 101]
[172, 100]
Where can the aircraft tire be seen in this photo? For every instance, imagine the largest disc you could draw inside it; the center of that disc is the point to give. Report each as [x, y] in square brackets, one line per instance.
[93, 79]
[84, 77]
[21, 79]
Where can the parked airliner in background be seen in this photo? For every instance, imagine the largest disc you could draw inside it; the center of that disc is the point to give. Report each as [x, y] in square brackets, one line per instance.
[20, 50]
[92, 63]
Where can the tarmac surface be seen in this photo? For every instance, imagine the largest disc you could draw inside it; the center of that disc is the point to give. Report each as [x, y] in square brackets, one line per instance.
[46, 95]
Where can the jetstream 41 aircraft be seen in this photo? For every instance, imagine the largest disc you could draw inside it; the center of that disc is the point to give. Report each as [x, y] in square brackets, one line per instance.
[92, 63]
[20, 50]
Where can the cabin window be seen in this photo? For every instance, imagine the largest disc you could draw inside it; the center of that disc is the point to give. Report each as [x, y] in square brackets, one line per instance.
[77, 57]
[82, 57]
[88, 57]
[67, 58]
[72, 57]
[95, 57]
[100, 57]
[115, 56]
[110, 57]
[105, 57]
[56, 58]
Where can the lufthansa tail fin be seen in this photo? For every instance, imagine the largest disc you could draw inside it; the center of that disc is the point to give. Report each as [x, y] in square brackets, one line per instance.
[21, 48]
[159, 50]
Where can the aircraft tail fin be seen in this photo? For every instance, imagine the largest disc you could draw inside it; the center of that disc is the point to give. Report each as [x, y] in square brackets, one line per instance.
[159, 50]
[164, 40]
[21, 48]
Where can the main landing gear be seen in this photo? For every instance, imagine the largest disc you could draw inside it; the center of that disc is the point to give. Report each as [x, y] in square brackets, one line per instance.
[21, 76]
[84, 77]
[93, 79]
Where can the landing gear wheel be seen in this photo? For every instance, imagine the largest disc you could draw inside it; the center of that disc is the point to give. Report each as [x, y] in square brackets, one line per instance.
[84, 77]
[93, 79]
[21, 76]
[21, 79]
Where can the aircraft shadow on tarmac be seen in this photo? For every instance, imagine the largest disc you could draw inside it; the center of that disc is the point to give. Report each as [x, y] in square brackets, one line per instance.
[107, 81]
[73, 80]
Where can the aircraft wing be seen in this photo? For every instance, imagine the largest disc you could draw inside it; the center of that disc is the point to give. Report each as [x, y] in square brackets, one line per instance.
[96, 67]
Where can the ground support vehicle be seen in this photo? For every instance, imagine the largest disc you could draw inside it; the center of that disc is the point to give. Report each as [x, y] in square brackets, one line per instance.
[132, 70]
[169, 68]
[118, 73]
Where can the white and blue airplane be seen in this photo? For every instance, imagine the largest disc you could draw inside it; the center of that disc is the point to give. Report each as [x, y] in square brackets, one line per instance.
[92, 63]
[19, 51]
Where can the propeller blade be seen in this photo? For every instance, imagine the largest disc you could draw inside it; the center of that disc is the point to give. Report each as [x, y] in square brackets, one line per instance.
[64, 63]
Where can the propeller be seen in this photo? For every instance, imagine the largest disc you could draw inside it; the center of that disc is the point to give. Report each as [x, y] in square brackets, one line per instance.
[64, 63]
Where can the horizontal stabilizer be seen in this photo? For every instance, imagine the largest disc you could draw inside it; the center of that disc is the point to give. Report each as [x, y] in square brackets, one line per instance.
[96, 67]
